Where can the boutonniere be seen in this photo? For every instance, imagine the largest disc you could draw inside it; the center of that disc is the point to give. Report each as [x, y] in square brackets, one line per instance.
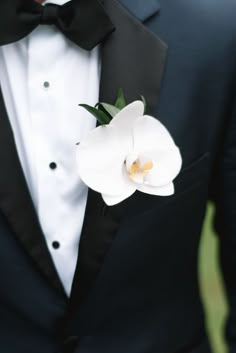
[129, 151]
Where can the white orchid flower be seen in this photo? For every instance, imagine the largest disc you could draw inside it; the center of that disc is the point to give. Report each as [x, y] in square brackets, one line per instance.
[134, 152]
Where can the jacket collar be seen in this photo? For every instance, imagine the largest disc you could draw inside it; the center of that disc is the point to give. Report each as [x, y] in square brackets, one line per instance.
[142, 9]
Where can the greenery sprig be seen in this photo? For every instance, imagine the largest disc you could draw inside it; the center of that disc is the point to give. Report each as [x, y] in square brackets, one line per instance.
[105, 112]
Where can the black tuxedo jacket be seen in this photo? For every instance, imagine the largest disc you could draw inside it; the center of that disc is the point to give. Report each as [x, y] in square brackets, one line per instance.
[136, 286]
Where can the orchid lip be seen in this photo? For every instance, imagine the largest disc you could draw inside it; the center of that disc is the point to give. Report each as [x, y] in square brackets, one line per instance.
[139, 169]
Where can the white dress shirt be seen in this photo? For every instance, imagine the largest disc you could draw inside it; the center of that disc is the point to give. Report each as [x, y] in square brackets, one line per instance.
[43, 78]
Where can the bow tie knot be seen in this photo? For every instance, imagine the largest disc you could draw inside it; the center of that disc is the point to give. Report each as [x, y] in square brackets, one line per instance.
[50, 14]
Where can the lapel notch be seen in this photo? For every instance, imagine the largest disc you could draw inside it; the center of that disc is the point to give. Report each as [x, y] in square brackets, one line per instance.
[141, 9]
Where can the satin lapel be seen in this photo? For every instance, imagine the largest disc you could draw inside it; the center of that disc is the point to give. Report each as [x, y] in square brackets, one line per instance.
[16, 204]
[133, 58]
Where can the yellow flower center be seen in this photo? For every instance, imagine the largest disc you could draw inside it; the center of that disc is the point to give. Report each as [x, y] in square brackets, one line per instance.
[138, 171]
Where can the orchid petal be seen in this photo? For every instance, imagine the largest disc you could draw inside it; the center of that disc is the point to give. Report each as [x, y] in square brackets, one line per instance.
[153, 140]
[166, 190]
[167, 165]
[113, 200]
[100, 159]
[126, 118]
[150, 134]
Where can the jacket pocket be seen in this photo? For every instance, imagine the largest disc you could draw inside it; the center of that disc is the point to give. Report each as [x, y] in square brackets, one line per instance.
[193, 174]
[190, 177]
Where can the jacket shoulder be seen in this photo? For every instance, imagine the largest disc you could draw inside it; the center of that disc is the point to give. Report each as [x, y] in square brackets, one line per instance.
[217, 14]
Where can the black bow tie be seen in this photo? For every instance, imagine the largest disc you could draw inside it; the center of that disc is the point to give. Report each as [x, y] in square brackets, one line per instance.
[84, 22]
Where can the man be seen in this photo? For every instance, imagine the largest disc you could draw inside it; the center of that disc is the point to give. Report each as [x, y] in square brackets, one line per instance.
[76, 275]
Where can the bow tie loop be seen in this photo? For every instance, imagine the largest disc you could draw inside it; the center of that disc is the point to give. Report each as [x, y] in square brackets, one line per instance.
[84, 22]
[50, 14]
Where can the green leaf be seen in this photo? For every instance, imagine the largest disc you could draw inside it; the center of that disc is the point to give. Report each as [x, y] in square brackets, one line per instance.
[111, 109]
[145, 104]
[102, 117]
[101, 108]
[120, 101]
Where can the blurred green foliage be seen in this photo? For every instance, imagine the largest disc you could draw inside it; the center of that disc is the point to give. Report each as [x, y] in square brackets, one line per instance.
[212, 285]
